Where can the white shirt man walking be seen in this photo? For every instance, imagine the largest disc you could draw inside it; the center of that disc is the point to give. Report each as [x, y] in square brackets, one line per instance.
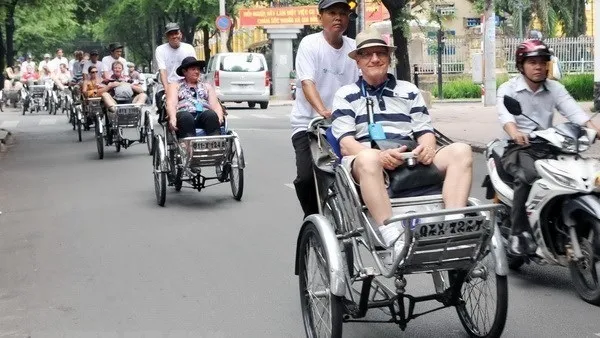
[322, 67]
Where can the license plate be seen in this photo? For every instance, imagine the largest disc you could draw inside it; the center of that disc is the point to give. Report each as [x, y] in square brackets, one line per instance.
[210, 145]
[450, 227]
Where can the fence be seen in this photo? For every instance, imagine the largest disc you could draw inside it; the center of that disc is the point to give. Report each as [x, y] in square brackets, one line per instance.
[575, 54]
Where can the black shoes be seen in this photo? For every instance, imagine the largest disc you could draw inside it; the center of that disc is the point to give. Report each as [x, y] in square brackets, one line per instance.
[521, 245]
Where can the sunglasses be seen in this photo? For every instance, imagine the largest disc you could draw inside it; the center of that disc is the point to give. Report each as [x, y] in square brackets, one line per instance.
[94, 72]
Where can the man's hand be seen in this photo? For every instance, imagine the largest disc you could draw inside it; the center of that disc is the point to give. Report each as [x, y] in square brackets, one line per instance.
[326, 113]
[425, 154]
[520, 138]
[390, 159]
[173, 123]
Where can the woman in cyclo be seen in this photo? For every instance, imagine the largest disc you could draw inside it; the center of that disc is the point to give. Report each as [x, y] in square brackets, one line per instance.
[93, 88]
[29, 76]
[192, 103]
[12, 84]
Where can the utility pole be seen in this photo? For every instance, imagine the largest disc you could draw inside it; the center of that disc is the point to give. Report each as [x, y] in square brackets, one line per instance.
[489, 54]
[596, 10]
[520, 4]
[222, 33]
[360, 20]
[440, 51]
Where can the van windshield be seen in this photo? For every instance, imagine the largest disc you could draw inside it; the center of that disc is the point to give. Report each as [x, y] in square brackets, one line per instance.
[242, 63]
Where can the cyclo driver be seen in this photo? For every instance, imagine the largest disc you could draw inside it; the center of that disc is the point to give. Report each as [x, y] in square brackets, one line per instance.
[400, 109]
[539, 97]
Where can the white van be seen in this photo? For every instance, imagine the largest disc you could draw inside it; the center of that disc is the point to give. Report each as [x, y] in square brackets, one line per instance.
[240, 77]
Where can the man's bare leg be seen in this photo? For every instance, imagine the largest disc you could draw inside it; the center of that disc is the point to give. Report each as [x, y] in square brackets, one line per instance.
[456, 161]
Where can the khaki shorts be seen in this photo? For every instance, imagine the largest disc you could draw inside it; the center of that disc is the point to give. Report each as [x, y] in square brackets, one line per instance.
[348, 161]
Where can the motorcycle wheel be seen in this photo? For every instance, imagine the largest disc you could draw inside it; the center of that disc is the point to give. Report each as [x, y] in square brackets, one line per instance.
[586, 272]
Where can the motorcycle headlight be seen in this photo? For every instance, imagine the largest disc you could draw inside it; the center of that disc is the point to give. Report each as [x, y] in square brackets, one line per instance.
[564, 180]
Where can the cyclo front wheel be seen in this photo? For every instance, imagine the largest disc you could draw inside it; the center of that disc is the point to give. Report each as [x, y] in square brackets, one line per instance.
[236, 173]
[160, 177]
[99, 137]
[482, 302]
[321, 310]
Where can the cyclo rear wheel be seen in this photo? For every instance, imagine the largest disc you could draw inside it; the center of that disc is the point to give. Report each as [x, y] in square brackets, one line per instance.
[482, 296]
[321, 310]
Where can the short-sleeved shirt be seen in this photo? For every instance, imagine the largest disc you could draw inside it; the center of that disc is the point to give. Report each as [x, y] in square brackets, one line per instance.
[98, 65]
[108, 61]
[397, 105]
[77, 70]
[54, 65]
[168, 58]
[189, 98]
[539, 105]
[327, 67]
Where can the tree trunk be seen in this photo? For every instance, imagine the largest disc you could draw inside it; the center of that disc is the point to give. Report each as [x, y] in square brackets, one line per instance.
[10, 32]
[206, 42]
[230, 35]
[399, 24]
[2, 55]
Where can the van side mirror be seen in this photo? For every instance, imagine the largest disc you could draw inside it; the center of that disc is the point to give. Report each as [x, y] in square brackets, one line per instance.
[513, 106]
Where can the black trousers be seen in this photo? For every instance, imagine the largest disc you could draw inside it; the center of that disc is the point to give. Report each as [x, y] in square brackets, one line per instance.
[207, 120]
[519, 161]
[305, 182]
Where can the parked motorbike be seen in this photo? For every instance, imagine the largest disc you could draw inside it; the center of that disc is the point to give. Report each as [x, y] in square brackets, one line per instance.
[563, 206]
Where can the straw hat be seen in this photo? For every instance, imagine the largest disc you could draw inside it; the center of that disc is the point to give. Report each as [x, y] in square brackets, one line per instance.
[369, 38]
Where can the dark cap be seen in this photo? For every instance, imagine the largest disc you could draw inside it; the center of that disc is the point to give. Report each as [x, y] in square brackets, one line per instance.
[170, 27]
[114, 46]
[94, 52]
[323, 4]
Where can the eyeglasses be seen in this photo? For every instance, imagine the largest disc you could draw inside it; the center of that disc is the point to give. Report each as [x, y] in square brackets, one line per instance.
[380, 54]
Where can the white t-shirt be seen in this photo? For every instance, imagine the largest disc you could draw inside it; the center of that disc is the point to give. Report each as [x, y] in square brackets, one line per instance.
[329, 68]
[54, 65]
[169, 59]
[44, 63]
[108, 61]
[98, 64]
[25, 64]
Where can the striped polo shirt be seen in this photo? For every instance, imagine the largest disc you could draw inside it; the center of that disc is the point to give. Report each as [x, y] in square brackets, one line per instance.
[397, 105]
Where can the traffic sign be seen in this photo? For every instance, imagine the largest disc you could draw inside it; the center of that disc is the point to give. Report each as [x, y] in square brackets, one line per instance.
[223, 22]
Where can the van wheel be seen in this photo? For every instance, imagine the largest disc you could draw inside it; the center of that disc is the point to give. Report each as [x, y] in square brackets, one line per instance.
[251, 104]
[264, 105]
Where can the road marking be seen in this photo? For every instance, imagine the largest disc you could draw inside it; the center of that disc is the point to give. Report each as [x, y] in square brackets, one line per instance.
[9, 124]
[232, 117]
[290, 185]
[262, 116]
[46, 121]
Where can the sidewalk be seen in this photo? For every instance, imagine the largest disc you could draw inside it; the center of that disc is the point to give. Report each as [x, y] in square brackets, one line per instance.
[477, 125]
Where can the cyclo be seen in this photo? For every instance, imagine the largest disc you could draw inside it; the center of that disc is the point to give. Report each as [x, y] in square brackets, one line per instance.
[174, 165]
[33, 96]
[109, 128]
[465, 257]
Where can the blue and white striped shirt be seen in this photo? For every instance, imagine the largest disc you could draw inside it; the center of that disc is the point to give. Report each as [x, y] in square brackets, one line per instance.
[397, 105]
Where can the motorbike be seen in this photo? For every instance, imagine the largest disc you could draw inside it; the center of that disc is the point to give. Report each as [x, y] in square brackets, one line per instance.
[563, 206]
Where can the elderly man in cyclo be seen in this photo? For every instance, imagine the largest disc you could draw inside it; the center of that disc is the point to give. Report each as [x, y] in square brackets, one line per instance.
[192, 103]
[399, 112]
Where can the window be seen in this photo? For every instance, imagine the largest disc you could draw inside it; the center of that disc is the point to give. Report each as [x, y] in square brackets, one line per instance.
[445, 9]
[242, 63]
[472, 22]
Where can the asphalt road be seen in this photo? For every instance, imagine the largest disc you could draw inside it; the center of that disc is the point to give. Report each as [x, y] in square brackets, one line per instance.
[86, 252]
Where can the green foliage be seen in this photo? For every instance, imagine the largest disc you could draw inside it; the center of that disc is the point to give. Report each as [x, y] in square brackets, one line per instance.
[40, 30]
[462, 88]
[580, 86]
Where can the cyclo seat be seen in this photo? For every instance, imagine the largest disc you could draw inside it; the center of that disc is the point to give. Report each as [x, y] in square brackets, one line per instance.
[420, 180]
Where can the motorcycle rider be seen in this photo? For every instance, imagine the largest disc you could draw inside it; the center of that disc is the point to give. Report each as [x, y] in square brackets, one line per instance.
[539, 97]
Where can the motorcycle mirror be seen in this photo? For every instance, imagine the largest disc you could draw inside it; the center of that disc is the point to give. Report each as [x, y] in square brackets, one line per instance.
[513, 106]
